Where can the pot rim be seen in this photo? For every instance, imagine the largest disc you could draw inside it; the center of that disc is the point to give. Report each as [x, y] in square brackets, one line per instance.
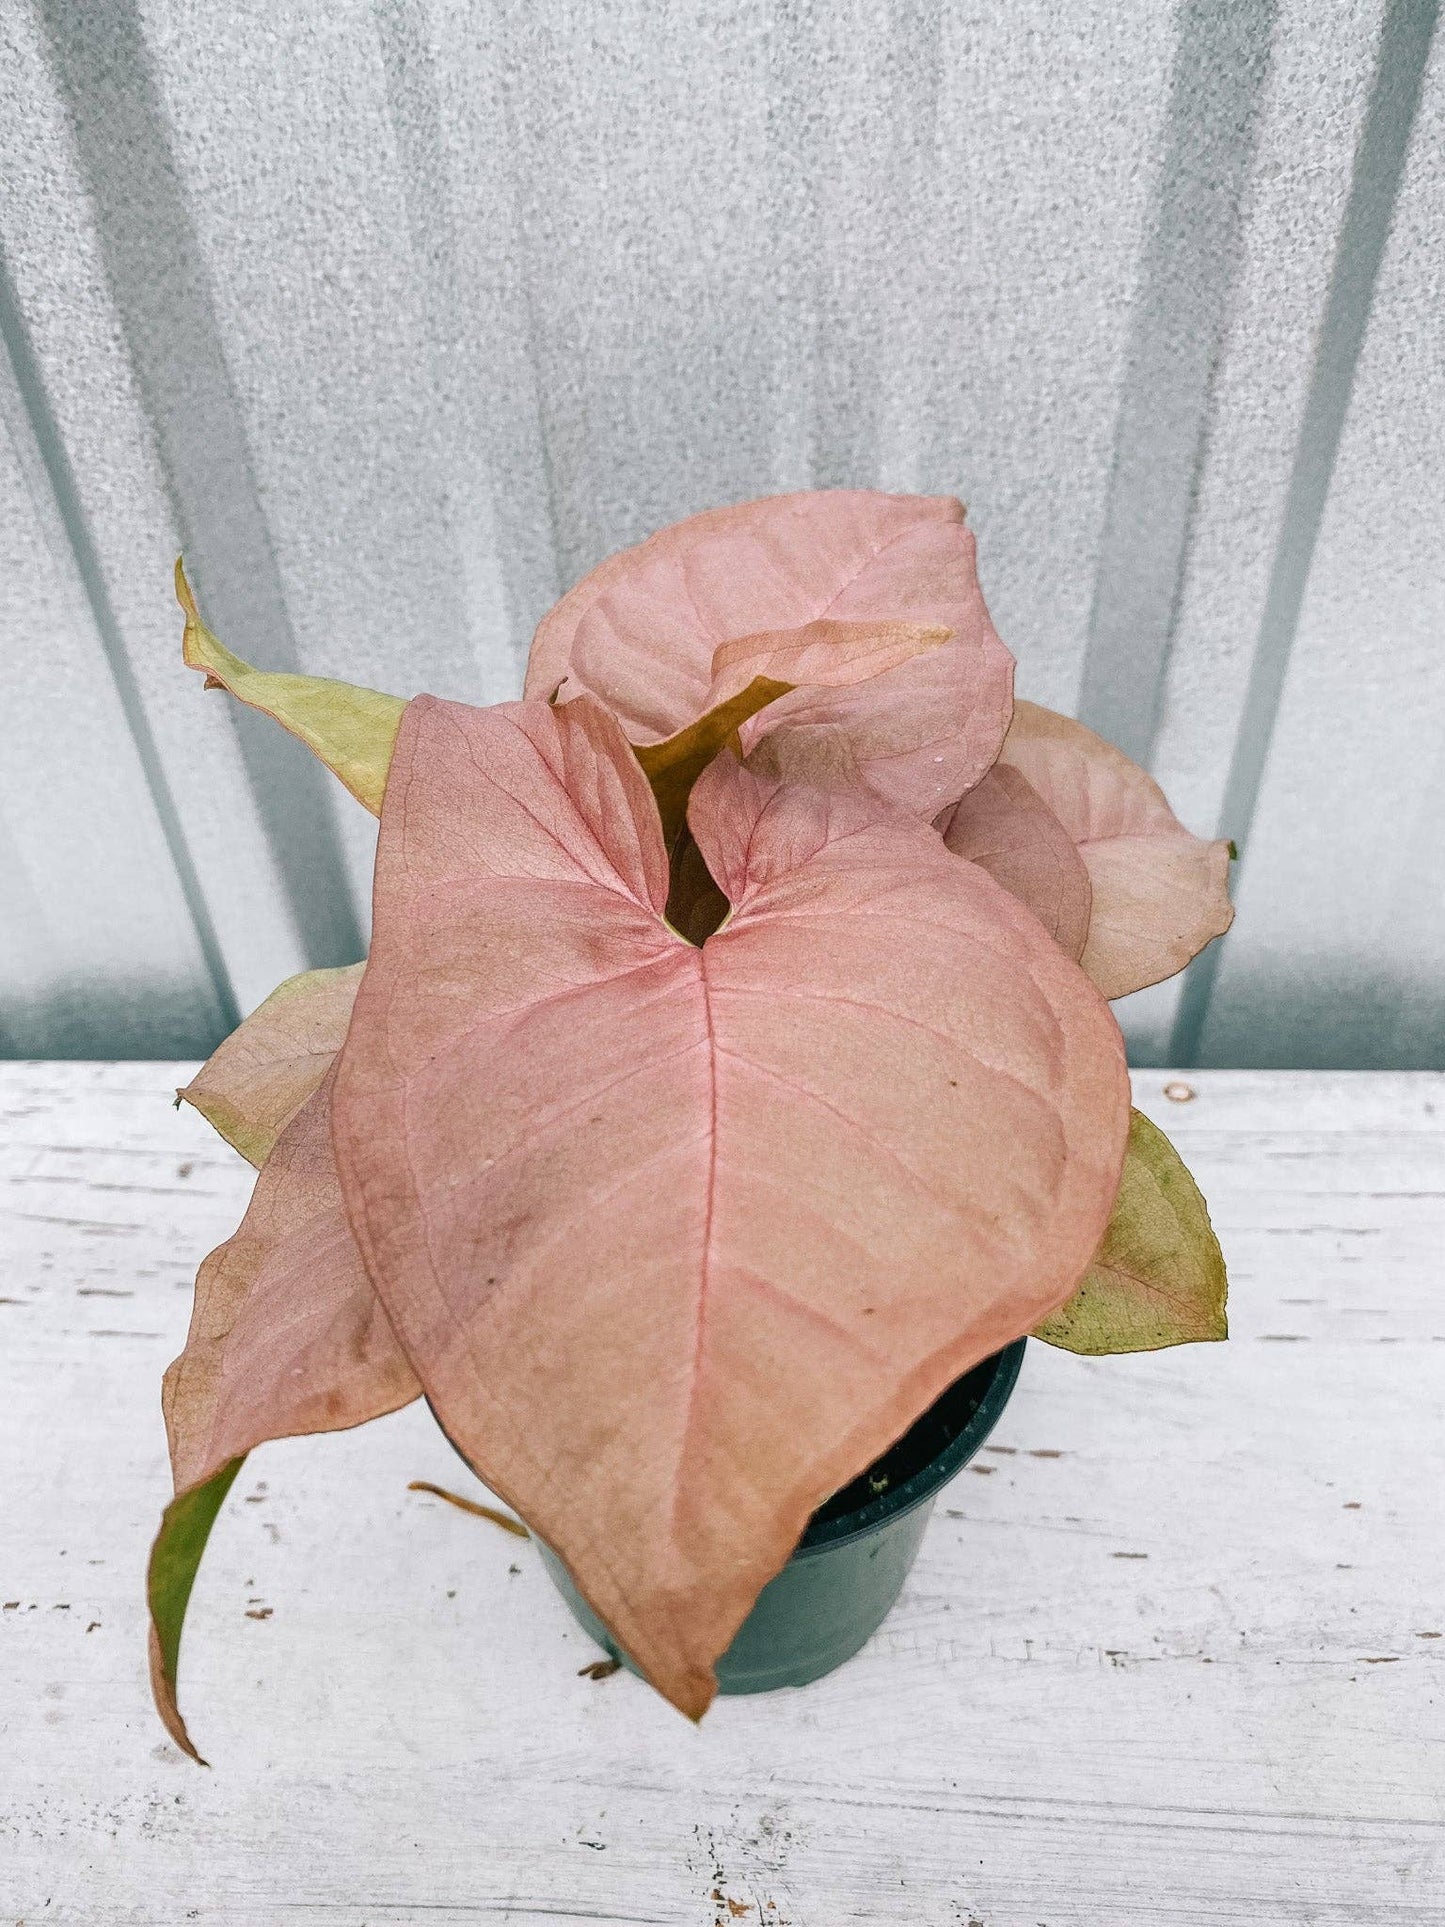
[823, 1536]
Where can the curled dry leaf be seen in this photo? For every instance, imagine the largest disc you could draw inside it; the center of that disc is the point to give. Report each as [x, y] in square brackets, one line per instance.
[1159, 894]
[254, 1084]
[472, 1506]
[641, 634]
[1005, 826]
[680, 1239]
[287, 1337]
[350, 728]
[1158, 1277]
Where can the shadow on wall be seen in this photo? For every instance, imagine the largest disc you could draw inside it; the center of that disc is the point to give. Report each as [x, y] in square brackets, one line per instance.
[126, 1020]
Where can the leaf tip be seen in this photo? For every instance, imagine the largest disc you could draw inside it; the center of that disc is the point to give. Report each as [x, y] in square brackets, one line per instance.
[163, 1688]
[193, 651]
[170, 1574]
[183, 590]
[1233, 849]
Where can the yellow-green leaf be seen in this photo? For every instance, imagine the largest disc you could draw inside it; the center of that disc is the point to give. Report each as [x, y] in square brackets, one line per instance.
[352, 730]
[1158, 1277]
[175, 1557]
[258, 1079]
[673, 766]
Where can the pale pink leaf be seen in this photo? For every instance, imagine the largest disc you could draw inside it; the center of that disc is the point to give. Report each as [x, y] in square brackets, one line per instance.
[642, 631]
[286, 1336]
[679, 1239]
[1005, 826]
[1159, 893]
[251, 1087]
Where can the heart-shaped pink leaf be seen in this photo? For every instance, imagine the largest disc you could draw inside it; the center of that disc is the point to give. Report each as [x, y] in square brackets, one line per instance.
[679, 1239]
[287, 1337]
[641, 633]
[1004, 826]
[1159, 894]
[251, 1087]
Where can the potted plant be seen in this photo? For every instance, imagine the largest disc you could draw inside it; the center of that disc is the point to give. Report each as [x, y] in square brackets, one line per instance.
[731, 1085]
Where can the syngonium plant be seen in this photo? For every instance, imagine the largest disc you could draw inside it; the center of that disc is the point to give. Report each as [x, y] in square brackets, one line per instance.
[732, 1070]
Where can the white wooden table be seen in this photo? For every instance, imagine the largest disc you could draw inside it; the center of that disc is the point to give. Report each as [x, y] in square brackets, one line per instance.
[1172, 1653]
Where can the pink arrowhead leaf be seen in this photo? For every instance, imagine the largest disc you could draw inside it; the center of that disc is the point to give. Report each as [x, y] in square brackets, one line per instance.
[1159, 894]
[642, 631]
[251, 1087]
[1158, 1277]
[287, 1337]
[679, 1239]
[1004, 826]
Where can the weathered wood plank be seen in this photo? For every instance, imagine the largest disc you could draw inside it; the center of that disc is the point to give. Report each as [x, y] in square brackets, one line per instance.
[1171, 1655]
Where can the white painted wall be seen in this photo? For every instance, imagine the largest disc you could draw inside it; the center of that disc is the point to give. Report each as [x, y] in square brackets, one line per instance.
[399, 316]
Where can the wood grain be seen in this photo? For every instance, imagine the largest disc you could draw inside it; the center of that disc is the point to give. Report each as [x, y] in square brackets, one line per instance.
[1170, 1656]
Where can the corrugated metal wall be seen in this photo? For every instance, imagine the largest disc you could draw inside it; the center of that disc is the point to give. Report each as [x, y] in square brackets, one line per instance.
[397, 317]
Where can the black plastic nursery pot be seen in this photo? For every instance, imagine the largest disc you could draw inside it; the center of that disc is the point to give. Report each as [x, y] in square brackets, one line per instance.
[850, 1565]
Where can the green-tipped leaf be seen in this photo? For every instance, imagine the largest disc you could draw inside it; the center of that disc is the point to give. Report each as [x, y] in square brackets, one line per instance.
[352, 730]
[287, 1338]
[1158, 1277]
[175, 1558]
